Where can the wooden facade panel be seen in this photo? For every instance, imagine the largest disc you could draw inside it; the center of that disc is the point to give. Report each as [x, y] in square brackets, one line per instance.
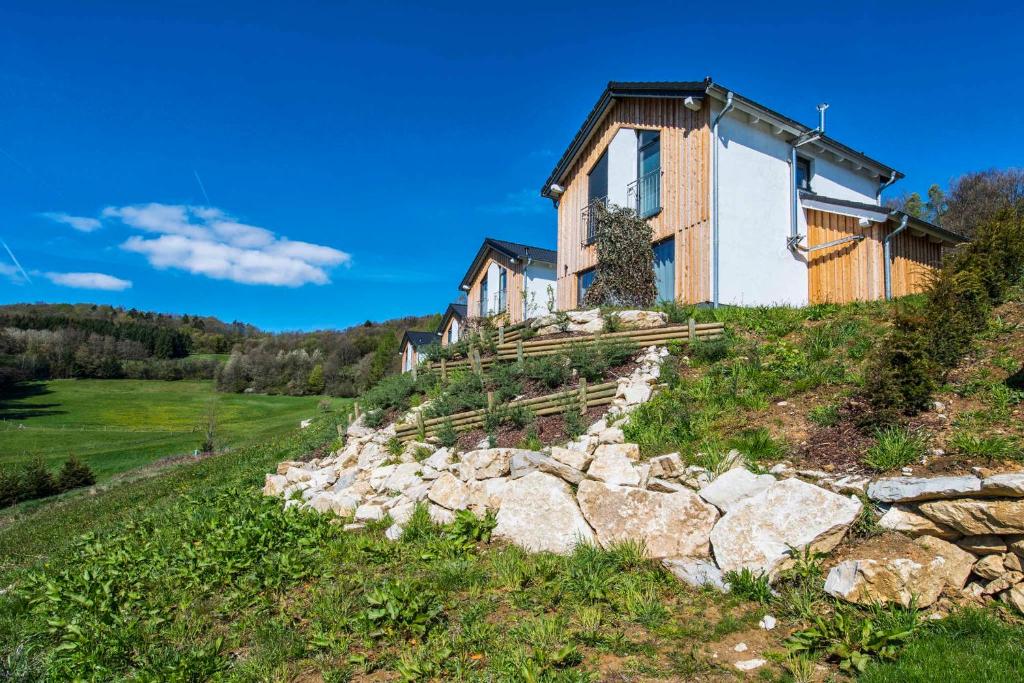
[855, 271]
[514, 287]
[685, 214]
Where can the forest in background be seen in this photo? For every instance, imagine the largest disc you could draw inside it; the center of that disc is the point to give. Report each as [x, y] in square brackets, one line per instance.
[77, 341]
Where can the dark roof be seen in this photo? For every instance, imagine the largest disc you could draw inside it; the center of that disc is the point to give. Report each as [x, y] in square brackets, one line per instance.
[679, 90]
[453, 311]
[913, 221]
[418, 338]
[512, 250]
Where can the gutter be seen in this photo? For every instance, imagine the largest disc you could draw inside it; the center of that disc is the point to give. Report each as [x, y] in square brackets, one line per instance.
[729, 104]
[887, 254]
[892, 179]
[794, 200]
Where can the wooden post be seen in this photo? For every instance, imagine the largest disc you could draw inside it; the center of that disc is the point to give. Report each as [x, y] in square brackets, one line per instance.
[355, 410]
[444, 371]
[421, 426]
[490, 401]
[583, 395]
[693, 330]
[519, 351]
[414, 372]
[501, 334]
[477, 366]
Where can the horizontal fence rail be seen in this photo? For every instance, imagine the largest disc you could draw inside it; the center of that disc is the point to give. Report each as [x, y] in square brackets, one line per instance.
[519, 349]
[551, 404]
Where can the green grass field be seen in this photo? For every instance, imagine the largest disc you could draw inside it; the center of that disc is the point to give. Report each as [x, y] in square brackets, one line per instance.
[118, 425]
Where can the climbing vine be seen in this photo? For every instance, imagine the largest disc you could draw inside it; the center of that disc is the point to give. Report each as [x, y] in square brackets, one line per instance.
[625, 263]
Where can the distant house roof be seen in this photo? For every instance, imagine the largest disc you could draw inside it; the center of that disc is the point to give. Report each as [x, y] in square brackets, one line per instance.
[617, 90]
[512, 250]
[457, 311]
[418, 339]
[879, 213]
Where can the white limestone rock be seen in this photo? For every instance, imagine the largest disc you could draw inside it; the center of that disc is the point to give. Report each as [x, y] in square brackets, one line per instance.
[575, 459]
[539, 513]
[910, 489]
[668, 466]
[274, 484]
[696, 572]
[757, 533]
[732, 488]
[369, 512]
[486, 463]
[642, 320]
[449, 492]
[669, 524]
[907, 521]
[402, 477]
[525, 462]
[611, 465]
[1010, 484]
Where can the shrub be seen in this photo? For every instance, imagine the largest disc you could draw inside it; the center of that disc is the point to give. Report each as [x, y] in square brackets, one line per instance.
[37, 480]
[572, 421]
[895, 447]
[750, 586]
[11, 487]
[446, 434]
[400, 607]
[625, 263]
[75, 474]
[901, 377]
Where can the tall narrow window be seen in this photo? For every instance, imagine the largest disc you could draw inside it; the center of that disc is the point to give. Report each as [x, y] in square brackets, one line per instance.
[803, 173]
[597, 193]
[646, 191]
[502, 290]
[483, 297]
[585, 280]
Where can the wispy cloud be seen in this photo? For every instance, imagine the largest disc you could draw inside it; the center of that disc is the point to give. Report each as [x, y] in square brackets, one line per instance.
[521, 202]
[102, 281]
[80, 223]
[206, 241]
[12, 274]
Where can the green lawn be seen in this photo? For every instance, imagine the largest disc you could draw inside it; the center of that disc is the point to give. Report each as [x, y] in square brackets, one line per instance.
[117, 425]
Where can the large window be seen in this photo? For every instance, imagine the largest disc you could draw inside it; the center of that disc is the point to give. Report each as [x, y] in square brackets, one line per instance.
[803, 173]
[597, 180]
[645, 193]
[502, 290]
[483, 297]
[584, 280]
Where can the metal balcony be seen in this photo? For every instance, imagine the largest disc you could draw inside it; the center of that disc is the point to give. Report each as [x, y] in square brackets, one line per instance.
[643, 195]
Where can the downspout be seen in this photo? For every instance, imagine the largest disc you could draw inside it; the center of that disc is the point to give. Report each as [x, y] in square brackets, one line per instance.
[729, 104]
[892, 179]
[526, 285]
[887, 255]
[794, 205]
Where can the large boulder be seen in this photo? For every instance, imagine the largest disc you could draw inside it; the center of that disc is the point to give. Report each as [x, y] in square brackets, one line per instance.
[973, 517]
[642, 320]
[338, 502]
[449, 492]
[906, 520]
[732, 488]
[910, 489]
[894, 569]
[758, 533]
[669, 524]
[524, 462]
[486, 463]
[578, 460]
[403, 476]
[1009, 484]
[274, 485]
[612, 465]
[538, 512]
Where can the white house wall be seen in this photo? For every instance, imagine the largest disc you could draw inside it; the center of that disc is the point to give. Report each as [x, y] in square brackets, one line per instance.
[755, 267]
[622, 165]
[539, 276]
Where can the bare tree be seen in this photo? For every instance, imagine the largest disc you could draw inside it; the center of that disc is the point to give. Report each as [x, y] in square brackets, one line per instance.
[976, 197]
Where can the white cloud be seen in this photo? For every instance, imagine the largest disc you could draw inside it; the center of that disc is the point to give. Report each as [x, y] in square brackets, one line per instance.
[12, 273]
[80, 223]
[206, 241]
[89, 281]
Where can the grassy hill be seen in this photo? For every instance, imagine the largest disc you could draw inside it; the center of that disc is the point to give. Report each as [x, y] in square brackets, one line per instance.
[117, 425]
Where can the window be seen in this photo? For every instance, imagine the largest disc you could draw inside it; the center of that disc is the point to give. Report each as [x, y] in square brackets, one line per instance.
[585, 280]
[597, 180]
[483, 297]
[803, 173]
[502, 290]
[645, 194]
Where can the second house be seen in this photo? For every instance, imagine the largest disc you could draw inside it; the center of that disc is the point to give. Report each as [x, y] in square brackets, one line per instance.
[511, 281]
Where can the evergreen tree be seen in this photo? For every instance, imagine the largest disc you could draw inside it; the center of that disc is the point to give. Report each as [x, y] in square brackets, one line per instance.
[75, 474]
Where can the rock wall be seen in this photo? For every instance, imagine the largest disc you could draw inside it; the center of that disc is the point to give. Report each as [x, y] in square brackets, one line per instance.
[962, 537]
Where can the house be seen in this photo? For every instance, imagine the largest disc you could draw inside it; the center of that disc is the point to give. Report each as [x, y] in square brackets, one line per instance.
[413, 347]
[453, 324]
[747, 206]
[510, 280]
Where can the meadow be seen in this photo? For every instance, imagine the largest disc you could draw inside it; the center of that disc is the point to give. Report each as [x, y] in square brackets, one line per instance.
[119, 425]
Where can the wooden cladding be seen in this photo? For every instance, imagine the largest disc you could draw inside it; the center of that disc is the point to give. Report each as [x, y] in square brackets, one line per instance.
[855, 271]
[685, 195]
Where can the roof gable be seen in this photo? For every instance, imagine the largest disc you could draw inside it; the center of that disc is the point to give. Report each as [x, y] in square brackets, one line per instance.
[512, 250]
[418, 339]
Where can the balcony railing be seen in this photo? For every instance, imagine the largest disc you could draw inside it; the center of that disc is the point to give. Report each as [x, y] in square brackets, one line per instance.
[588, 217]
[643, 195]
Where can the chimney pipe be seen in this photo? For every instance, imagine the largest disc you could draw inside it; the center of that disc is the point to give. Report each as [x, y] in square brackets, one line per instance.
[821, 116]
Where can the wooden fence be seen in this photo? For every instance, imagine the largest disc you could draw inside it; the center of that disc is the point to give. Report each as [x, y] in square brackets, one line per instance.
[580, 398]
[517, 349]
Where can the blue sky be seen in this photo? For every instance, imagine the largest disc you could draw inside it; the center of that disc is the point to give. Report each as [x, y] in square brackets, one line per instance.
[305, 165]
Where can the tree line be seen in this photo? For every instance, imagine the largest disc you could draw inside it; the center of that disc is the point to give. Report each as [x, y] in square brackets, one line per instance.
[971, 200]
